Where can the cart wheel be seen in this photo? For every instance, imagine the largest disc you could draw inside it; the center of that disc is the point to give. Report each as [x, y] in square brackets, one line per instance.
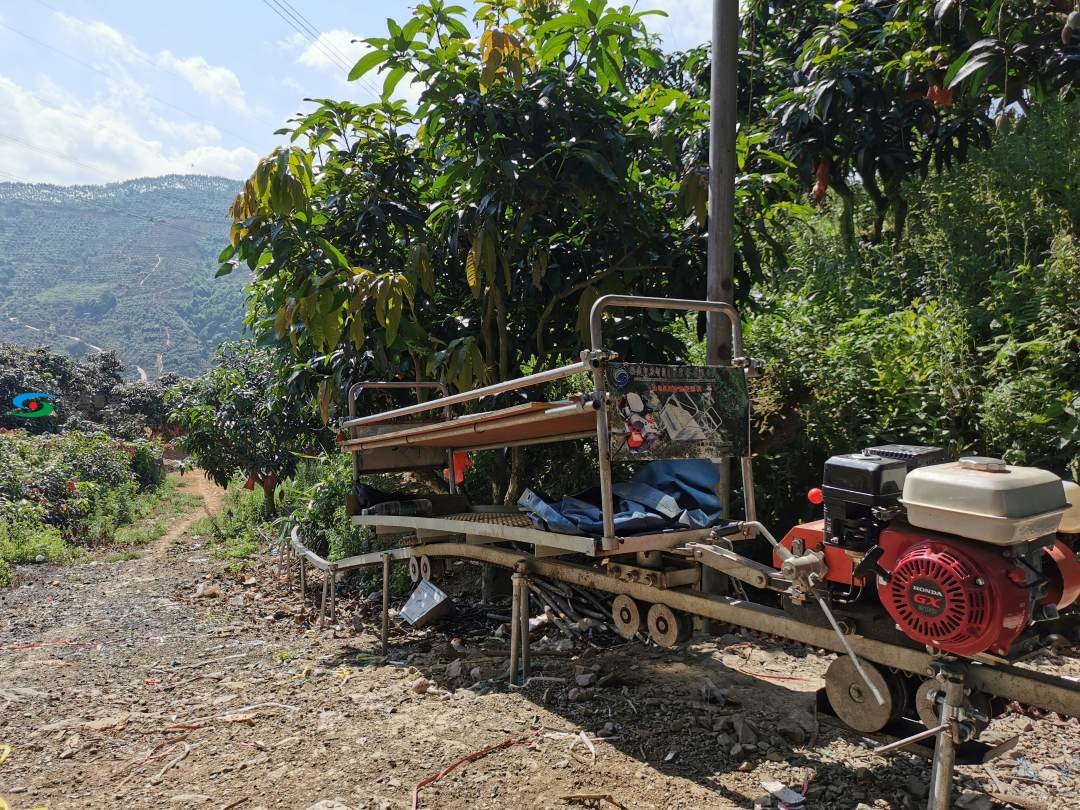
[975, 703]
[414, 569]
[626, 615]
[425, 567]
[668, 627]
[854, 703]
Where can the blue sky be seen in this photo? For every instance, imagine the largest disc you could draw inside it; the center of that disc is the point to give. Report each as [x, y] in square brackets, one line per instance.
[93, 91]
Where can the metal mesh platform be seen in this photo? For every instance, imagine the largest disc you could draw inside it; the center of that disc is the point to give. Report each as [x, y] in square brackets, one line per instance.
[518, 519]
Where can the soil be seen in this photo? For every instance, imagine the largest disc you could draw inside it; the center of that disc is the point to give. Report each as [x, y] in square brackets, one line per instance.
[177, 680]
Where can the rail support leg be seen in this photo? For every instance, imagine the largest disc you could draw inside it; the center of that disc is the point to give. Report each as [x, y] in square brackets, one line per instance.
[324, 599]
[523, 617]
[385, 603]
[952, 703]
[303, 582]
[332, 574]
[515, 626]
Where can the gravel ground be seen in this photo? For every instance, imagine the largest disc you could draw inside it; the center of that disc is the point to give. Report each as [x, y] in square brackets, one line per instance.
[168, 681]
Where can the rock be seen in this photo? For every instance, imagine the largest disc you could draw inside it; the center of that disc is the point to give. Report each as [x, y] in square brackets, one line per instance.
[564, 645]
[420, 685]
[562, 763]
[917, 787]
[207, 590]
[577, 694]
[775, 756]
[744, 731]
[711, 693]
[330, 804]
[40, 558]
[107, 723]
[974, 801]
[585, 679]
[745, 766]
[454, 668]
[797, 728]
[477, 674]
[237, 601]
[863, 806]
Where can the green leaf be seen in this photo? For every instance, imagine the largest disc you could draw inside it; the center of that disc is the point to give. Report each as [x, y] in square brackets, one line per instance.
[598, 162]
[366, 62]
[336, 256]
[392, 80]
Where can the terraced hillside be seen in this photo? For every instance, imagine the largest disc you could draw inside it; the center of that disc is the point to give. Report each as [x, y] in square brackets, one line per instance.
[127, 266]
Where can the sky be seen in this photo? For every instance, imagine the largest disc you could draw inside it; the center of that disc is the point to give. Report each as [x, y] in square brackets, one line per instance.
[95, 91]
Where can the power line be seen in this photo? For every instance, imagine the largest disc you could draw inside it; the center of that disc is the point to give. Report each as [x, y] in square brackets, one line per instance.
[313, 29]
[107, 75]
[312, 34]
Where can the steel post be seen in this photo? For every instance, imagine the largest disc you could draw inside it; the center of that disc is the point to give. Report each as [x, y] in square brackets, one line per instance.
[941, 773]
[523, 617]
[515, 627]
[603, 453]
[386, 603]
[332, 573]
[723, 96]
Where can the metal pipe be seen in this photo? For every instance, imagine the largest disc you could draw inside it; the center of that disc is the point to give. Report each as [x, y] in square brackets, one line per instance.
[723, 98]
[603, 453]
[386, 602]
[469, 396]
[524, 627]
[681, 304]
[332, 573]
[941, 772]
[749, 501]
[515, 626]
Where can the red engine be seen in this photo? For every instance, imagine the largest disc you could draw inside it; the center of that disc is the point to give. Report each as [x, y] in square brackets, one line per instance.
[956, 595]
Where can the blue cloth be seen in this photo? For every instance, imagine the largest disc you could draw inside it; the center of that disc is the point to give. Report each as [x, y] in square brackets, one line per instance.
[662, 495]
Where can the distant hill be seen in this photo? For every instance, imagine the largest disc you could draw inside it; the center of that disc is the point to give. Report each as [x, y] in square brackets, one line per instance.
[126, 266]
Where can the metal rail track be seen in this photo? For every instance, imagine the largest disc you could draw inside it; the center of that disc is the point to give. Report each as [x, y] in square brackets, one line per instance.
[1007, 681]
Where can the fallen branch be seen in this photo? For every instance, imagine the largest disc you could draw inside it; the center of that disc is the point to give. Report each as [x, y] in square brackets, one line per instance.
[157, 777]
[236, 716]
[465, 760]
[594, 797]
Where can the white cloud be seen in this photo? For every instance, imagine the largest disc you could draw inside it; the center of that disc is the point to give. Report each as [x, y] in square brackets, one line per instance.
[216, 83]
[332, 50]
[79, 142]
[99, 37]
[688, 22]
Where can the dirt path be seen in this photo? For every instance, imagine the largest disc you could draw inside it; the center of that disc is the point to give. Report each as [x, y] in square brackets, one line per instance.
[177, 680]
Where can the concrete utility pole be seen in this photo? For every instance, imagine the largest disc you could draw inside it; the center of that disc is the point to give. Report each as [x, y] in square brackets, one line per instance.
[723, 97]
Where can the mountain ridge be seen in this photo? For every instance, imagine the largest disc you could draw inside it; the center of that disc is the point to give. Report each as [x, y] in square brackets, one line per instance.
[127, 266]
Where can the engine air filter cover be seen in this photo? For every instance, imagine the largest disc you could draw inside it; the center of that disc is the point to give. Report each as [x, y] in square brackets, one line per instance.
[953, 595]
[985, 499]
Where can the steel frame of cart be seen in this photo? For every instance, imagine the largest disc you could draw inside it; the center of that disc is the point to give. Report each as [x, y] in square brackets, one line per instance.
[665, 570]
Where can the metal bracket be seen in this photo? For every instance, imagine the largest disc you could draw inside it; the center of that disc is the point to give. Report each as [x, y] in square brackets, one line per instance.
[738, 567]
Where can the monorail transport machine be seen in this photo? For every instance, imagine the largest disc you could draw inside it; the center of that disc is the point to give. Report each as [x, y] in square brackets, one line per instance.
[933, 578]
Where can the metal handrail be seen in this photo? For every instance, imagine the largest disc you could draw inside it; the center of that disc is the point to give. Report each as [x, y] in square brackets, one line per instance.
[681, 304]
[357, 388]
[470, 396]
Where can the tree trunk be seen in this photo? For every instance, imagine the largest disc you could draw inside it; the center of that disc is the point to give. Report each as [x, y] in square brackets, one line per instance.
[269, 503]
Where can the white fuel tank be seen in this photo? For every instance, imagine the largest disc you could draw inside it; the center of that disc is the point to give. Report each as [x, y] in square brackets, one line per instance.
[985, 499]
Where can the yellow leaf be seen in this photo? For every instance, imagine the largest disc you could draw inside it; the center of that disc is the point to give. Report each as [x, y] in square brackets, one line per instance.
[281, 322]
[324, 400]
[356, 331]
[540, 260]
[472, 271]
